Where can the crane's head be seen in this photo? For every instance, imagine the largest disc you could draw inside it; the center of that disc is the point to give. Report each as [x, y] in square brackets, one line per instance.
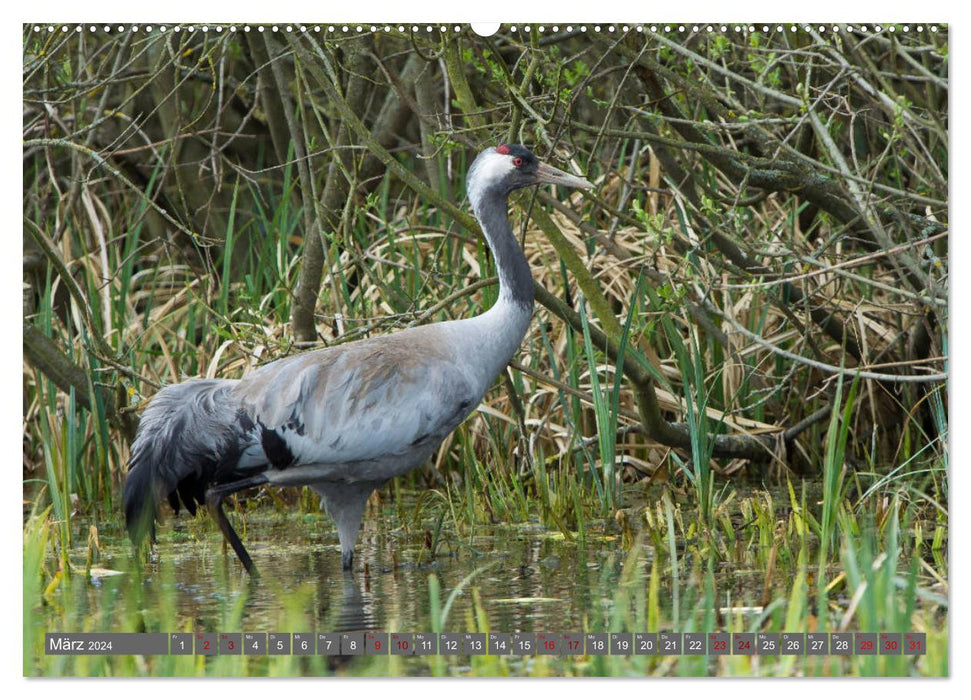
[506, 168]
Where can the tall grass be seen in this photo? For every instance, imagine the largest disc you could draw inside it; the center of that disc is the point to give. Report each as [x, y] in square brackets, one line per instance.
[832, 496]
[606, 404]
[696, 383]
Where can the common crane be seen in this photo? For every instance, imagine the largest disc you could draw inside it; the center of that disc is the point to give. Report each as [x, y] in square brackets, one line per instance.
[344, 419]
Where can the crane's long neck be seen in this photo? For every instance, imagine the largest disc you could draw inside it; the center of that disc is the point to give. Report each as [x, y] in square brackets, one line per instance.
[515, 278]
[495, 336]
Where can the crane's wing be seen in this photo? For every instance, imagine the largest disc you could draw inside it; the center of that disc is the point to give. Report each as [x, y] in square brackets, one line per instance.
[384, 404]
[360, 402]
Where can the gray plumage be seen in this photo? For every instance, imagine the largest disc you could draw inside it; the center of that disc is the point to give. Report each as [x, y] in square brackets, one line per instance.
[344, 419]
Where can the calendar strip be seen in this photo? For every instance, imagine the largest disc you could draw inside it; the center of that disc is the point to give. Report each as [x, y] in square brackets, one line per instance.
[494, 643]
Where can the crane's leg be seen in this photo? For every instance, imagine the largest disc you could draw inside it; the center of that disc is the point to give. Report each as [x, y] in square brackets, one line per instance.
[345, 502]
[214, 499]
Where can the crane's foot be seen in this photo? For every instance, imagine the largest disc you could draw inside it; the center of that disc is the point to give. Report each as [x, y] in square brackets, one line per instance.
[214, 500]
[347, 559]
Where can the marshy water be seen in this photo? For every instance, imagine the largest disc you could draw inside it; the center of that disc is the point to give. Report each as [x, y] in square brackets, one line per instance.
[523, 577]
[418, 569]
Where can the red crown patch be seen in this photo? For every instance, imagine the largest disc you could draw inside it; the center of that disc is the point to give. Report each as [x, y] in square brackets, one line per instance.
[503, 149]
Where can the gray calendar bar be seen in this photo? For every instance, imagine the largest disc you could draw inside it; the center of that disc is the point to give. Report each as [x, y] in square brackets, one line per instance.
[498, 643]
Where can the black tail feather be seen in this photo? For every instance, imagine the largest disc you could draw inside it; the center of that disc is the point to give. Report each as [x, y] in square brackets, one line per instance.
[140, 505]
[189, 438]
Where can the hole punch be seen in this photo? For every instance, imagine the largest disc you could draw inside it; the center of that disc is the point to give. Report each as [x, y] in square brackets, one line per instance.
[485, 28]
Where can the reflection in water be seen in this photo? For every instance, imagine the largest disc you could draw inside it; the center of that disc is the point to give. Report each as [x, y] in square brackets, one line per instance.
[357, 609]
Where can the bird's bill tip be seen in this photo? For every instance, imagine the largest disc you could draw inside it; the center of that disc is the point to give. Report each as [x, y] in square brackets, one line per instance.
[554, 176]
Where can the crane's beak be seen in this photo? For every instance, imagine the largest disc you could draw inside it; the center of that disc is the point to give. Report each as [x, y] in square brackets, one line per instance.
[547, 173]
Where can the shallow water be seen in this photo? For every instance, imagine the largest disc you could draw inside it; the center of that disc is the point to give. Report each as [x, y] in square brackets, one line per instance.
[526, 577]
[522, 577]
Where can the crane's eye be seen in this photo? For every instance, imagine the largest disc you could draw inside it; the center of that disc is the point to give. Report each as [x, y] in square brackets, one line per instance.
[517, 161]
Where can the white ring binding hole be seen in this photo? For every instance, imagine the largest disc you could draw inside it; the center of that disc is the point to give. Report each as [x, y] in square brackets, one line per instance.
[485, 28]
